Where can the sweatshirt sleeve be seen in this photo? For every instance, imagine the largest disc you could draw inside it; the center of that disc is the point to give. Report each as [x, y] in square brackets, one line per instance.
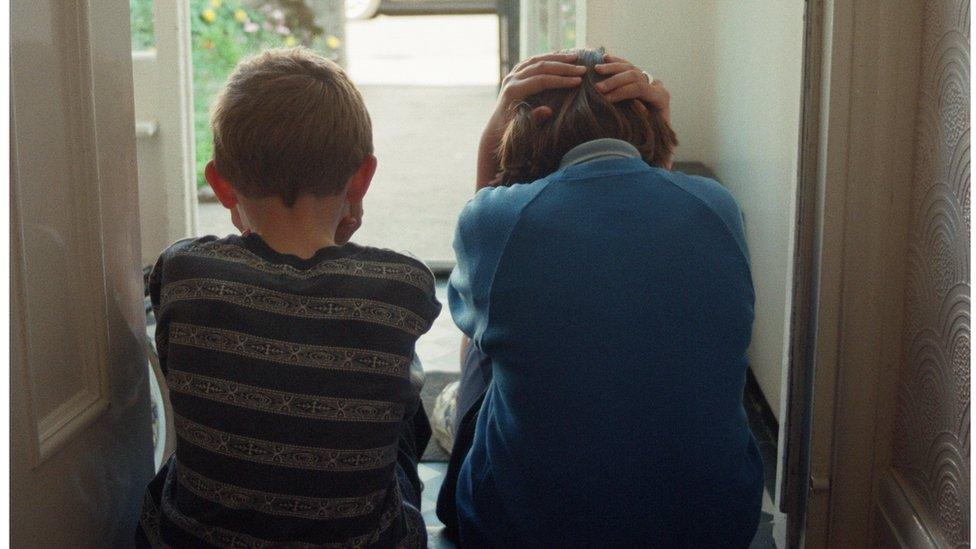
[482, 234]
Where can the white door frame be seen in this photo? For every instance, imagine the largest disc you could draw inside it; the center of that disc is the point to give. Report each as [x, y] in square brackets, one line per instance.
[857, 152]
[163, 86]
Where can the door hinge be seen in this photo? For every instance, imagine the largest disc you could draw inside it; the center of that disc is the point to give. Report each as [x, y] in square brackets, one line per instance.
[818, 484]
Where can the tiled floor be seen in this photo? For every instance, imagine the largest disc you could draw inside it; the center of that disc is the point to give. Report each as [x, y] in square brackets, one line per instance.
[432, 475]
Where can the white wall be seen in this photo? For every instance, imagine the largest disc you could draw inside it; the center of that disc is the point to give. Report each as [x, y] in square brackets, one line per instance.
[669, 39]
[758, 53]
[733, 69]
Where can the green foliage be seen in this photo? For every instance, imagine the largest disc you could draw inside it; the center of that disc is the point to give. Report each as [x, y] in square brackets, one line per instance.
[141, 18]
[223, 32]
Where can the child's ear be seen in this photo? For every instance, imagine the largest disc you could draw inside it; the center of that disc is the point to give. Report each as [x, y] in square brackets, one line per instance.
[221, 188]
[359, 182]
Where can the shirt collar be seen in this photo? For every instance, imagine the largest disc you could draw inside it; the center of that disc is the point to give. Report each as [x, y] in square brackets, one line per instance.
[599, 149]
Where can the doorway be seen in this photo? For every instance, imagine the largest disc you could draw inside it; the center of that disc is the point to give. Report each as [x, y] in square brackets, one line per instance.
[412, 69]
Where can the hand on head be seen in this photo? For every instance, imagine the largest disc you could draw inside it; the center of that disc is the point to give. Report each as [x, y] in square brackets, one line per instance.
[616, 79]
[625, 81]
[558, 70]
[540, 73]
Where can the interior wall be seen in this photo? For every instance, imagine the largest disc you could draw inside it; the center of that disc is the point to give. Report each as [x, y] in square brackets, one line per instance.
[734, 72]
[672, 40]
[758, 60]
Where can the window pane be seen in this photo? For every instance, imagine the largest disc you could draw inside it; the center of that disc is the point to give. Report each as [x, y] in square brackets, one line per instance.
[551, 25]
[141, 17]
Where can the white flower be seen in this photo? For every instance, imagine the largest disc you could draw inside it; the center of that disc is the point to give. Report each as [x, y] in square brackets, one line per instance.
[251, 26]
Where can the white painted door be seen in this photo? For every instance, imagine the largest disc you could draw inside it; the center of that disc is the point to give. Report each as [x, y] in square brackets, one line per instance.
[163, 87]
[81, 443]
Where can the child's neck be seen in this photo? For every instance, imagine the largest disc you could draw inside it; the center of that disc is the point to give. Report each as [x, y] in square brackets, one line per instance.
[300, 230]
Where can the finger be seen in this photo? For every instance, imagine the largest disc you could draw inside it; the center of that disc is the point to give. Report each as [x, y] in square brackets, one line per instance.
[613, 68]
[562, 57]
[551, 67]
[630, 91]
[621, 79]
[614, 59]
[536, 84]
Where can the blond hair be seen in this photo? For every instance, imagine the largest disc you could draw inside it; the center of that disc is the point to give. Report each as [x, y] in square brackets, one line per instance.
[289, 122]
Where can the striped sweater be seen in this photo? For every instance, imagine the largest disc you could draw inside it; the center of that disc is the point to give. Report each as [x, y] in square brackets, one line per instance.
[289, 381]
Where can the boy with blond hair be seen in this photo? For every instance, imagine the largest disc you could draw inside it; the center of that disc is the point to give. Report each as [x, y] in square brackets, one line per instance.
[287, 350]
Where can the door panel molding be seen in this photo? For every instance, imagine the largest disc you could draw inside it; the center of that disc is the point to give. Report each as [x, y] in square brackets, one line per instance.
[80, 425]
[58, 219]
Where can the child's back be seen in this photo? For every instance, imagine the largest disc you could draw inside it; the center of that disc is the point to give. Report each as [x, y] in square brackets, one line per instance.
[288, 351]
[290, 386]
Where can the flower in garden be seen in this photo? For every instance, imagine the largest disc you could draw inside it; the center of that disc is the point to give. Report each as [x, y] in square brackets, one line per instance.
[278, 15]
[290, 41]
[215, 4]
[333, 42]
[207, 45]
[208, 15]
[240, 16]
[283, 30]
[251, 26]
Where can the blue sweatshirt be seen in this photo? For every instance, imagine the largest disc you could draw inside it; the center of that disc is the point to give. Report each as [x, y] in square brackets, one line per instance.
[616, 304]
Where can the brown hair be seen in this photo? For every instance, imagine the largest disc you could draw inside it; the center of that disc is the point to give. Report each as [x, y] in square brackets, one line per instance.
[289, 122]
[530, 150]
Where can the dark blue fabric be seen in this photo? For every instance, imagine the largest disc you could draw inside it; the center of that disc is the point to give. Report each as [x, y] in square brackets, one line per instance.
[292, 395]
[475, 379]
[615, 303]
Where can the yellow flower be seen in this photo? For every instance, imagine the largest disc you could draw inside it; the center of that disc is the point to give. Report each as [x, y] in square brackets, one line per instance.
[290, 41]
[333, 42]
[215, 4]
[207, 45]
[240, 16]
[208, 15]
